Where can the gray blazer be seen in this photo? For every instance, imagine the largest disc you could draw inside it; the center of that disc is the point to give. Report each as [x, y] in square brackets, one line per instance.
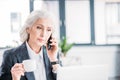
[17, 55]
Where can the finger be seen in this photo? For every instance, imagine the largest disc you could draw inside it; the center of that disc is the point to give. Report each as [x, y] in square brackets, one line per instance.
[23, 66]
[53, 44]
[17, 67]
[16, 71]
[53, 39]
[20, 73]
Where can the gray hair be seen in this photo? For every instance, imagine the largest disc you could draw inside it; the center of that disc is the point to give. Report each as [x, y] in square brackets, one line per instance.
[33, 17]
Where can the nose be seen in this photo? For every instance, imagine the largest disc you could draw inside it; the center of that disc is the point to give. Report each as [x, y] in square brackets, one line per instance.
[43, 33]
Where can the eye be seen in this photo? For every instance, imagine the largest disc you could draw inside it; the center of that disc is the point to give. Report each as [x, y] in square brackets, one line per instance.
[39, 27]
[49, 29]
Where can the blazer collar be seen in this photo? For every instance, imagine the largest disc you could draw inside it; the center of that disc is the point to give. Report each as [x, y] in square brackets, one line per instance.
[47, 63]
[24, 55]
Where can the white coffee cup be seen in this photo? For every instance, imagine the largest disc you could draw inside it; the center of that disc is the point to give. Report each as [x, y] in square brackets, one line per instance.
[29, 65]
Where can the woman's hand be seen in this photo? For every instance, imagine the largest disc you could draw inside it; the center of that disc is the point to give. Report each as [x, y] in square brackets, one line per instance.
[52, 52]
[17, 71]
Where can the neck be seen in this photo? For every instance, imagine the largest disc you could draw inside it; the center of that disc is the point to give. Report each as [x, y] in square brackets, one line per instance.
[34, 47]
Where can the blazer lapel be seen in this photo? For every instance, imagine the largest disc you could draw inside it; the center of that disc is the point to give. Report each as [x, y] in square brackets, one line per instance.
[30, 75]
[23, 56]
[47, 63]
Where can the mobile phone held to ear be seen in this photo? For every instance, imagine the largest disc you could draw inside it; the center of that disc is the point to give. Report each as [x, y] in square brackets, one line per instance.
[49, 42]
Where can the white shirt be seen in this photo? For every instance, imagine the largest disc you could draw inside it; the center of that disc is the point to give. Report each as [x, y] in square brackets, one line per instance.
[39, 73]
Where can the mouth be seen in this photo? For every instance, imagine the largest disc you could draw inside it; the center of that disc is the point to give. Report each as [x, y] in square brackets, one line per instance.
[41, 40]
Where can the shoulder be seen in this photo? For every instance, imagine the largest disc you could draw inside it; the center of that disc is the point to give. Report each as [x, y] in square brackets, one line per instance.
[14, 51]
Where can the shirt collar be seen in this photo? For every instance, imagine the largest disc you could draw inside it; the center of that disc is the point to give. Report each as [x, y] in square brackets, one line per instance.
[32, 53]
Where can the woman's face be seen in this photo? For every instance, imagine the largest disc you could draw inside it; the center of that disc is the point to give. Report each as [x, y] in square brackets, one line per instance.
[40, 31]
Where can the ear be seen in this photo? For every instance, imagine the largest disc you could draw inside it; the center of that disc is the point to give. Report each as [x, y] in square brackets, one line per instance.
[28, 30]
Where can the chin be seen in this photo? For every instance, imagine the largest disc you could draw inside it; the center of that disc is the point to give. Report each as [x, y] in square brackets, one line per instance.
[40, 44]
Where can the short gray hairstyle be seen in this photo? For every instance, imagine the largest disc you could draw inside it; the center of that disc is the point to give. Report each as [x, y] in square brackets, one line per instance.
[33, 17]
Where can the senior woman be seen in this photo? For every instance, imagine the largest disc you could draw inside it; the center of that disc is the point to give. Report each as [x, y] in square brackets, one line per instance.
[35, 33]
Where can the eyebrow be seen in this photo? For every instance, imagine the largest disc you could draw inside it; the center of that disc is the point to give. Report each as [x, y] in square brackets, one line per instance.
[43, 25]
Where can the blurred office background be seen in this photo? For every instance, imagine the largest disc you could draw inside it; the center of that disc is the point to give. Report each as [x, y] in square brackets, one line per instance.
[93, 25]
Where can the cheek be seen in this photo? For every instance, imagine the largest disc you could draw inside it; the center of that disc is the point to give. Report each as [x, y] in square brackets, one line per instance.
[47, 37]
[33, 35]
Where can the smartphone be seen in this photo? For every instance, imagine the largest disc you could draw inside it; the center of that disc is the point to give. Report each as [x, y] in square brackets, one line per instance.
[49, 42]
